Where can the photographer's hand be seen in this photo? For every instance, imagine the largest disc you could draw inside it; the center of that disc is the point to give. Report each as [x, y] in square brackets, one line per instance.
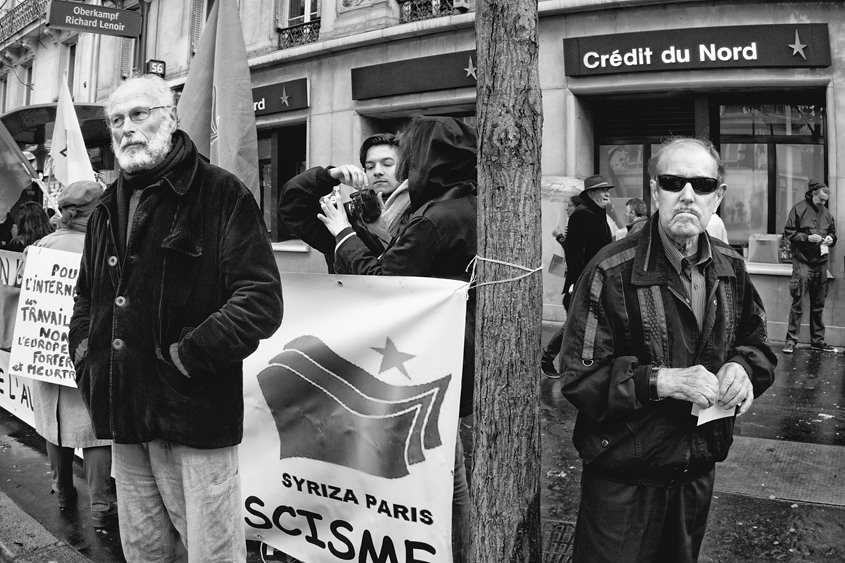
[334, 214]
[350, 174]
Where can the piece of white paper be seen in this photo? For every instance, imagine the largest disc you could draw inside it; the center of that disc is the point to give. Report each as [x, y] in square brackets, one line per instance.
[713, 413]
[825, 250]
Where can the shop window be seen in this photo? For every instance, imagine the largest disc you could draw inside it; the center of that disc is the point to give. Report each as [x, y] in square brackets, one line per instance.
[770, 151]
[771, 120]
[281, 156]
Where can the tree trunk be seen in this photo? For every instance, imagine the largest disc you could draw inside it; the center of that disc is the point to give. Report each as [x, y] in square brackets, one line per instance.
[505, 482]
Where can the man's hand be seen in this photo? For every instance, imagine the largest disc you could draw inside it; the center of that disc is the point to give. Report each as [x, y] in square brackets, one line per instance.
[828, 240]
[350, 175]
[694, 384]
[735, 387]
[814, 238]
[334, 214]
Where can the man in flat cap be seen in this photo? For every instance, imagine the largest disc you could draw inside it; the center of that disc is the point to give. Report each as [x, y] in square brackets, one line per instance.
[811, 232]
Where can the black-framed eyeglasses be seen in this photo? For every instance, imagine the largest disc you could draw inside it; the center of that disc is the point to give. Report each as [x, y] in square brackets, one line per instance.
[700, 185]
[136, 115]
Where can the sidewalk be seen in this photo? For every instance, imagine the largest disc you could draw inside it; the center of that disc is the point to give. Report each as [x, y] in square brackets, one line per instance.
[22, 538]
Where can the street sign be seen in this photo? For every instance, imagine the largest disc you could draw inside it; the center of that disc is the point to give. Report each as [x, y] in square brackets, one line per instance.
[155, 66]
[93, 19]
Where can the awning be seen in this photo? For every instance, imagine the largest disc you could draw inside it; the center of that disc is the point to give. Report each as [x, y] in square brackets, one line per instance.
[33, 125]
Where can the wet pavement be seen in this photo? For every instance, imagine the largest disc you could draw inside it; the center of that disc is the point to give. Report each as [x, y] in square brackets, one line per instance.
[780, 495]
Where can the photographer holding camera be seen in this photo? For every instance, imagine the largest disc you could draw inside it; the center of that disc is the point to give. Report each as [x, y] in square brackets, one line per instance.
[377, 205]
[438, 240]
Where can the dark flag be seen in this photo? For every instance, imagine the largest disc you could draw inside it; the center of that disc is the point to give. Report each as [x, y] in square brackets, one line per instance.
[329, 409]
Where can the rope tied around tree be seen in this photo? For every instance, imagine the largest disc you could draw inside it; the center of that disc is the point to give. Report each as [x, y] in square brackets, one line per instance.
[474, 262]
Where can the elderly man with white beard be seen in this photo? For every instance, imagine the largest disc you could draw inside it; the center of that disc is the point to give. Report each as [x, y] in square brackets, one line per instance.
[662, 324]
[177, 285]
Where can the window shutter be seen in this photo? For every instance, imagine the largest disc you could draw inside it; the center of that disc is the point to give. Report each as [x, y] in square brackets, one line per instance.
[126, 58]
[197, 19]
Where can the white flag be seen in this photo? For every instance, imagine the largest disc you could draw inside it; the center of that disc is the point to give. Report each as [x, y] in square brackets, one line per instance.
[70, 159]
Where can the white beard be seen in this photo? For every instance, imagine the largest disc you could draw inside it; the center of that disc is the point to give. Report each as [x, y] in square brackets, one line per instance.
[147, 155]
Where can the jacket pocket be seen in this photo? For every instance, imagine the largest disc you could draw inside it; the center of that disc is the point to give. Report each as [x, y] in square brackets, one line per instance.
[175, 380]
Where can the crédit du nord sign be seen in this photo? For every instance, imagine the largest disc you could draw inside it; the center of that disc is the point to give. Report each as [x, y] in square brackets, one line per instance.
[800, 45]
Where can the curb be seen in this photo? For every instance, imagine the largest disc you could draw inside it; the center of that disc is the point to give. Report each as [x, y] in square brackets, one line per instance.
[22, 538]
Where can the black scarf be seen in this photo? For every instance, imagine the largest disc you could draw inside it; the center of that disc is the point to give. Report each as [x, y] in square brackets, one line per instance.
[130, 182]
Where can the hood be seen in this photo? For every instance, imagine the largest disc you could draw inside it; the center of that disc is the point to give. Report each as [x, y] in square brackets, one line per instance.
[444, 156]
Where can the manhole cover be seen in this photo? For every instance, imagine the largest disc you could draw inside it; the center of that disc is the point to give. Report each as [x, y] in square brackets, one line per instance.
[557, 541]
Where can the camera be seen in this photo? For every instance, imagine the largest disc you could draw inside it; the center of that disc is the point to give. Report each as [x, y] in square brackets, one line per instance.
[363, 205]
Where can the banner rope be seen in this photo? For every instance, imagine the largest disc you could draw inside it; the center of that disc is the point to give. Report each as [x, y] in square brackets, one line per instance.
[474, 262]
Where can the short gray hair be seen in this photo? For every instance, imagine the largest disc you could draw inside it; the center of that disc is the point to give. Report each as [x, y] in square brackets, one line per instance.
[162, 92]
[655, 163]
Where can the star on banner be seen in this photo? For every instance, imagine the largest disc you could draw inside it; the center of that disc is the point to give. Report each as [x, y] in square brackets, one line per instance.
[393, 358]
[470, 69]
[798, 47]
[284, 97]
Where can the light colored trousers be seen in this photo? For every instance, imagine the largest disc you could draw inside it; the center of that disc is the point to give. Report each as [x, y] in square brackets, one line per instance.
[177, 503]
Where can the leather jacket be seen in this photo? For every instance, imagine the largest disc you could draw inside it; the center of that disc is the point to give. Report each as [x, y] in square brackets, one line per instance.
[629, 314]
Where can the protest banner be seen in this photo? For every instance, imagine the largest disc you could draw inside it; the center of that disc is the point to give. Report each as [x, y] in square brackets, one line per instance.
[10, 267]
[40, 343]
[15, 392]
[351, 416]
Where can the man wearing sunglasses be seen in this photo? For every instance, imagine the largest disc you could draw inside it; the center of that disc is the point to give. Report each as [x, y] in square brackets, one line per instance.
[662, 324]
[177, 285]
[811, 232]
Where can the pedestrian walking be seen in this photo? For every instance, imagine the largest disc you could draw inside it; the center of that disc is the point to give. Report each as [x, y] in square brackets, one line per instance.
[587, 231]
[438, 240]
[661, 325]
[552, 349]
[60, 415]
[176, 287]
[811, 231]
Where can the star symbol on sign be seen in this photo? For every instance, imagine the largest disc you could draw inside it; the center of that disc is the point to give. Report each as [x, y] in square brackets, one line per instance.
[798, 47]
[284, 97]
[393, 358]
[470, 69]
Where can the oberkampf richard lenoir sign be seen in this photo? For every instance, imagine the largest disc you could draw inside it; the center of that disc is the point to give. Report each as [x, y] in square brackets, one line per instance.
[747, 46]
[94, 19]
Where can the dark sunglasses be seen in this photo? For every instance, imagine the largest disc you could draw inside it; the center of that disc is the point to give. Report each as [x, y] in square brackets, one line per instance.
[672, 183]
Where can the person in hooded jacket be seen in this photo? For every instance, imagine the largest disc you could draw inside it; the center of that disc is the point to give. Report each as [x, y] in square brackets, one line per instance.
[438, 240]
[60, 415]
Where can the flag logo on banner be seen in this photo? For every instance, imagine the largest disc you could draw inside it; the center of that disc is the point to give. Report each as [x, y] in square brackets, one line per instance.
[312, 391]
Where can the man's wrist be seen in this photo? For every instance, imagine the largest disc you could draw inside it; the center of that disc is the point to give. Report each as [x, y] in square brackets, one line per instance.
[653, 395]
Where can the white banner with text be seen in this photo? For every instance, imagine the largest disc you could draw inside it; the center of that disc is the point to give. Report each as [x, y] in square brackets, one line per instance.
[351, 420]
[40, 344]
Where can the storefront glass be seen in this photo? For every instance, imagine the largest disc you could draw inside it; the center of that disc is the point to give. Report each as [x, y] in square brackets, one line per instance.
[622, 166]
[796, 164]
[744, 209]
